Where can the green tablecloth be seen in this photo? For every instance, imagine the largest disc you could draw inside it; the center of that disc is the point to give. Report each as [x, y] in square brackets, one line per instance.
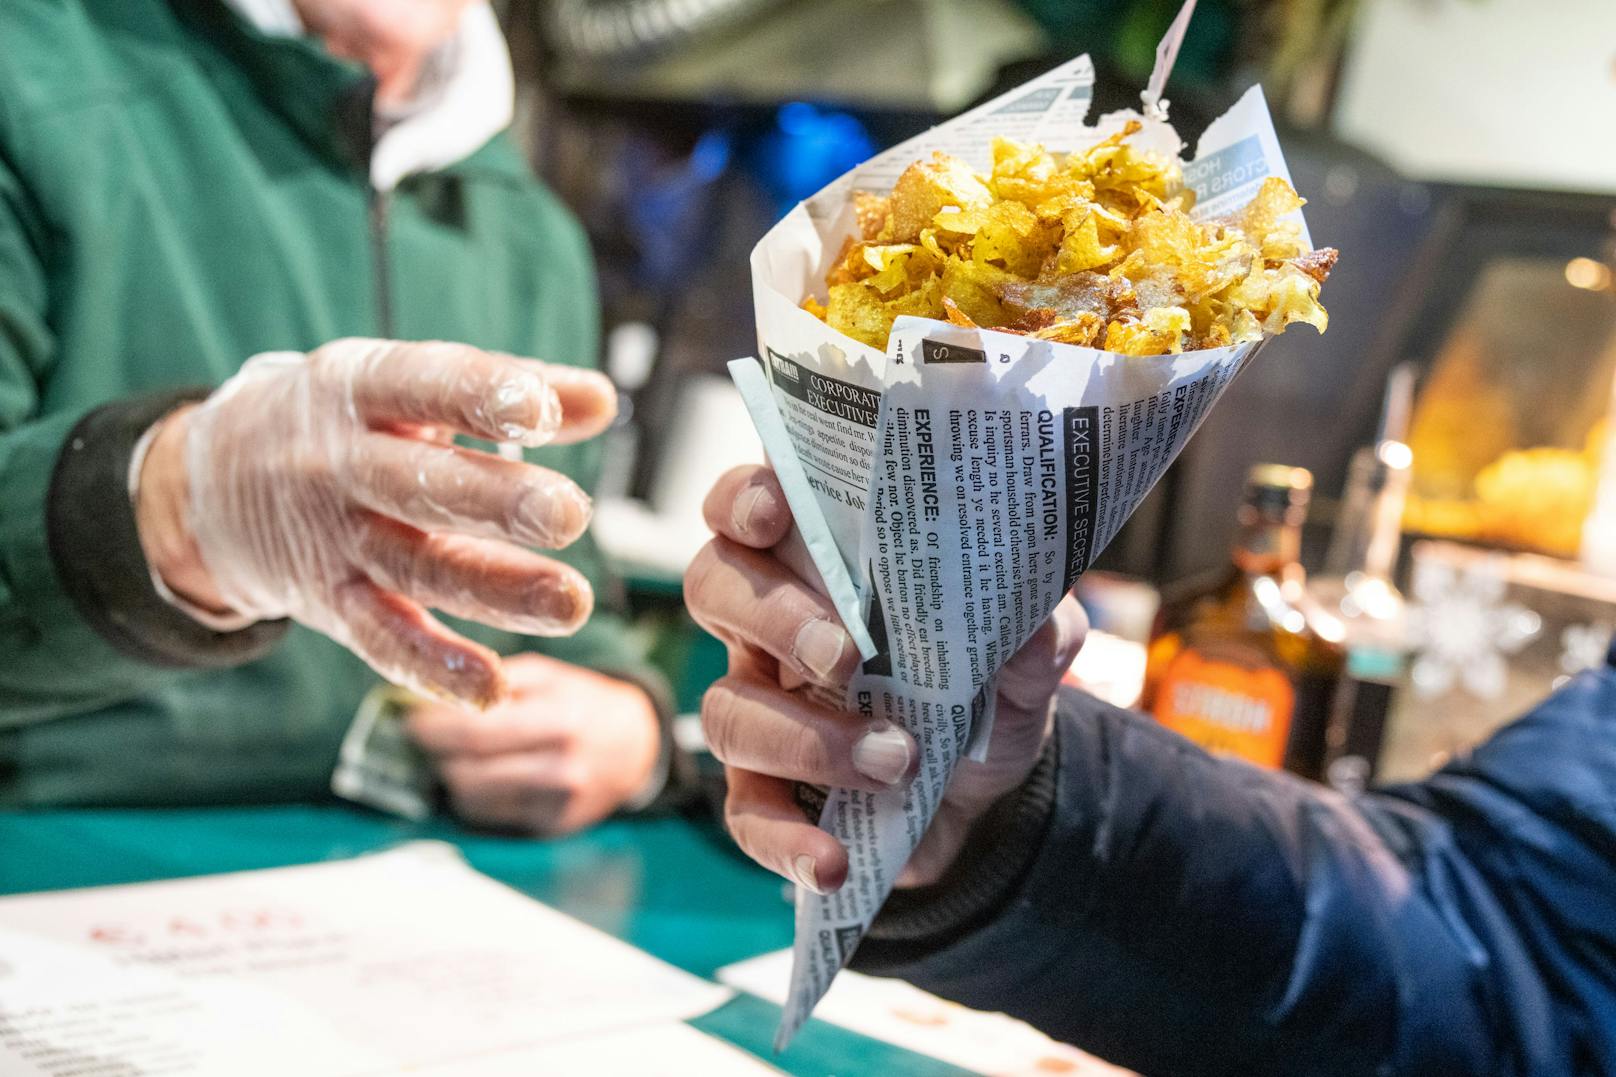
[671, 887]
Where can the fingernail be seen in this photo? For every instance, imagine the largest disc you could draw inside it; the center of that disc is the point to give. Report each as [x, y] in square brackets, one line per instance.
[525, 409]
[883, 754]
[565, 601]
[1060, 660]
[806, 869]
[745, 505]
[553, 516]
[819, 646]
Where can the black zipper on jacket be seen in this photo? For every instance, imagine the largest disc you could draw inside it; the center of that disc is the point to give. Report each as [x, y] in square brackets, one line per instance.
[380, 203]
[356, 123]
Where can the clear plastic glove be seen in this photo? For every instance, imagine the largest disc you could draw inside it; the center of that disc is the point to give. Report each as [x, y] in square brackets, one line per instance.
[325, 487]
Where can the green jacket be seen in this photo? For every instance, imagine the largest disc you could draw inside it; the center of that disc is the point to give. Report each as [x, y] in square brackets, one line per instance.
[178, 193]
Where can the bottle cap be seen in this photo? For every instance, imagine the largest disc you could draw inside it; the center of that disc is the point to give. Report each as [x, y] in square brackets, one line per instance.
[1280, 477]
[1278, 490]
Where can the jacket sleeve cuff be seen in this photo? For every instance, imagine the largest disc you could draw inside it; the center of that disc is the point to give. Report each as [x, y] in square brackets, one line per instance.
[95, 547]
[995, 859]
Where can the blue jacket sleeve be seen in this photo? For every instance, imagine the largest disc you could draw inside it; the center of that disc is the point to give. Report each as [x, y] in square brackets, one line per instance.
[1188, 915]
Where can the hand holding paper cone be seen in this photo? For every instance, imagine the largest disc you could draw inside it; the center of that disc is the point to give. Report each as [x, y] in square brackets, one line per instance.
[755, 588]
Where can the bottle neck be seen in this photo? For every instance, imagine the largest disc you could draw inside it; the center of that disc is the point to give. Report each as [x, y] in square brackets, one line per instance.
[1267, 547]
[1368, 528]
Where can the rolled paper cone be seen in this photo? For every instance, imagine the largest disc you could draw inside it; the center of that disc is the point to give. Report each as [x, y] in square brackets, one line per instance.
[962, 479]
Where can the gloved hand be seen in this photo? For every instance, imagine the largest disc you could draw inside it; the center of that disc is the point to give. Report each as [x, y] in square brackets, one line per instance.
[325, 487]
[779, 718]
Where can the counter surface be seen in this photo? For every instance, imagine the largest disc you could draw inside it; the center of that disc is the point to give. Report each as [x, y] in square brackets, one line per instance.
[674, 888]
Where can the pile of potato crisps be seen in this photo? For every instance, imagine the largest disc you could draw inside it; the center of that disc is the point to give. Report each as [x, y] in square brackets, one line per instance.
[1094, 248]
[1535, 498]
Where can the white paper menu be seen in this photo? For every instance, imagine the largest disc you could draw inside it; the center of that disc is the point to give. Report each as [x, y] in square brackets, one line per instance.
[406, 960]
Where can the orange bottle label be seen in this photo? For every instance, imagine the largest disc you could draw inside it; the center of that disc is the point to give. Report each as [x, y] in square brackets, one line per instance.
[1227, 708]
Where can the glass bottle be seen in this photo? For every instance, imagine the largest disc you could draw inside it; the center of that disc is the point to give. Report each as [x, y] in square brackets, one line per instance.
[1356, 590]
[1238, 663]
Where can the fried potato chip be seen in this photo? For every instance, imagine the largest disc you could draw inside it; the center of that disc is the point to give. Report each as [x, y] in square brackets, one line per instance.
[925, 189]
[1275, 200]
[1169, 324]
[849, 264]
[1013, 238]
[1083, 330]
[1094, 248]
[1217, 336]
[956, 316]
[1160, 332]
[871, 211]
[978, 290]
[956, 223]
[1021, 172]
[860, 313]
[1317, 264]
[1081, 248]
[899, 267]
[1282, 296]
[1071, 295]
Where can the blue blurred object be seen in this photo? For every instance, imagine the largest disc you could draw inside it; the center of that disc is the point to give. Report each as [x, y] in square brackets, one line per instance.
[667, 207]
[710, 156]
[674, 209]
[807, 147]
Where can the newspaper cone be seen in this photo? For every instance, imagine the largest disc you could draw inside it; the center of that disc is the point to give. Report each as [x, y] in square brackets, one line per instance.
[952, 488]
